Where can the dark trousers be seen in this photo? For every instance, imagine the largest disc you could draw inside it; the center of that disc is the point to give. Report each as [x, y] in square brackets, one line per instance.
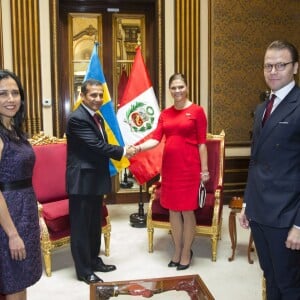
[85, 222]
[280, 265]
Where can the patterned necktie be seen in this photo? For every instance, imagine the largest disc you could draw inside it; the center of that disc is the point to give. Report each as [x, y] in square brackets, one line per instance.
[99, 121]
[268, 109]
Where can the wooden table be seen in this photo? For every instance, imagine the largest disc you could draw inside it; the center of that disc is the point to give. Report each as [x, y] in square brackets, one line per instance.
[148, 288]
[236, 205]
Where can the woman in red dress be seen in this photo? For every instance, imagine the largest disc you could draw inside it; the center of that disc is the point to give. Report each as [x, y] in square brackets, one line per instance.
[184, 164]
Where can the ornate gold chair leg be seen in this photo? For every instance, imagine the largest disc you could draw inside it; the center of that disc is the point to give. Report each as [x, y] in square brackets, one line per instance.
[220, 229]
[47, 261]
[214, 241]
[107, 243]
[150, 239]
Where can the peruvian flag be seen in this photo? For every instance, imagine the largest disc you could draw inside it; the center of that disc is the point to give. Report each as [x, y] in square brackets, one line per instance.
[137, 117]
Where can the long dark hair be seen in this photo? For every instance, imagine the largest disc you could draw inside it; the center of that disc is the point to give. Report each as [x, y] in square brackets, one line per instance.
[20, 115]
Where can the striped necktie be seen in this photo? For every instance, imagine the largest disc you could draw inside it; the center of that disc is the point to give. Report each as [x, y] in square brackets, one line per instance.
[268, 109]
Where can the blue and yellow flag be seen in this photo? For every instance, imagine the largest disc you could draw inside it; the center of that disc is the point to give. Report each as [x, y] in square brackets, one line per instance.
[95, 71]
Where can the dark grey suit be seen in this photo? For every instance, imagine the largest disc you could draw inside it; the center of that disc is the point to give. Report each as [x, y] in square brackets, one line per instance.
[272, 194]
[88, 179]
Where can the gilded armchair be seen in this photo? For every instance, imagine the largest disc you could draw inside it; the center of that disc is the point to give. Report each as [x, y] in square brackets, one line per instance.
[208, 218]
[50, 189]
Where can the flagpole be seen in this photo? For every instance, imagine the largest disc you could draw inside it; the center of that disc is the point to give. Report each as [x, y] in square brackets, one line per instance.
[139, 219]
[138, 115]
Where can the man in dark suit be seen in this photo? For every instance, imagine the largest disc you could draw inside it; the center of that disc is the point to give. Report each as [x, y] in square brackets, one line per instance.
[88, 179]
[272, 195]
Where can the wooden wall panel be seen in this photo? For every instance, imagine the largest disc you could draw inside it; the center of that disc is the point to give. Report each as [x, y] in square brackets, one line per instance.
[26, 58]
[240, 31]
[187, 44]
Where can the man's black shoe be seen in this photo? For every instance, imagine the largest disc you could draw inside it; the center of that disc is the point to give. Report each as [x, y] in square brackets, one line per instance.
[92, 278]
[100, 266]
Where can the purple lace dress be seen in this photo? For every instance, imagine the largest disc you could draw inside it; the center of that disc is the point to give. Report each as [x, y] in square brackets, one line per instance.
[17, 163]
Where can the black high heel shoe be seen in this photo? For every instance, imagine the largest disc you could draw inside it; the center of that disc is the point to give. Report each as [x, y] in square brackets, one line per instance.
[181, 267]
[173, 264]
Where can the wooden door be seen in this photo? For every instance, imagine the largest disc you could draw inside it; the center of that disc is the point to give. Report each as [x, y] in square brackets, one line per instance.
[105, 17]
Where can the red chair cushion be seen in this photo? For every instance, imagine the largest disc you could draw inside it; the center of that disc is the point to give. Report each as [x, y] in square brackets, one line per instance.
[159, 213]
[56, 215]
[59, 235]
[213, 150]
[203, 215]
[48, 179]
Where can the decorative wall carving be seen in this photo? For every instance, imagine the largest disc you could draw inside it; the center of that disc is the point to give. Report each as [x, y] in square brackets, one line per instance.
[240, 31]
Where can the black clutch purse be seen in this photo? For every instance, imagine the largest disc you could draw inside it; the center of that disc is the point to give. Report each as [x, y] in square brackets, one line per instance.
[201, 195]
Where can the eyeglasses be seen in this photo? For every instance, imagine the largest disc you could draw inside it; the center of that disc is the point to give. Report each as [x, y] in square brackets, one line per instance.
[278, 67]
[4, 94]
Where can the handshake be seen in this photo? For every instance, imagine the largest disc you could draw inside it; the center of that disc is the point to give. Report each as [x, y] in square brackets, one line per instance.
[131, 150]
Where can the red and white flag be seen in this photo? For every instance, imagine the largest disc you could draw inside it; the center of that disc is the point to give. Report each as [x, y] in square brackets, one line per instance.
[137, 117]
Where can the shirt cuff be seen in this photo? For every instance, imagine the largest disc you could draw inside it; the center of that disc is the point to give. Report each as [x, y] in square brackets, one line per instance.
[298, 227]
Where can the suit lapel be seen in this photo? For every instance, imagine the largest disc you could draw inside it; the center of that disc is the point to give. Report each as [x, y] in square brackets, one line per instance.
[286, 107]
[90, 119]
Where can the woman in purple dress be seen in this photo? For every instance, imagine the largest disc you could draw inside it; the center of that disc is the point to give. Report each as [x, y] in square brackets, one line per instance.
[20, 256]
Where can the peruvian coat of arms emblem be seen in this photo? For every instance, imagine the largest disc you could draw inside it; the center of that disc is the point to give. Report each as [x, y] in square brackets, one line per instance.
[140, 117]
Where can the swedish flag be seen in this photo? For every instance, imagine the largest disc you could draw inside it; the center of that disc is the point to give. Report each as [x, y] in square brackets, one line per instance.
[95, 71]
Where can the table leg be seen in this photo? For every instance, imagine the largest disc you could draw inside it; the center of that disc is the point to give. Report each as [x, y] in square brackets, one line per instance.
[232, 233]
[250, 248]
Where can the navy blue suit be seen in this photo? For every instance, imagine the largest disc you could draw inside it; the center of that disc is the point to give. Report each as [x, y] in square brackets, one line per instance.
[272, 194]
[88, 179]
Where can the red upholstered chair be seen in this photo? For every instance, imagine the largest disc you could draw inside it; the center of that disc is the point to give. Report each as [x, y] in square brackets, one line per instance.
[208, 218]
[50, 188]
